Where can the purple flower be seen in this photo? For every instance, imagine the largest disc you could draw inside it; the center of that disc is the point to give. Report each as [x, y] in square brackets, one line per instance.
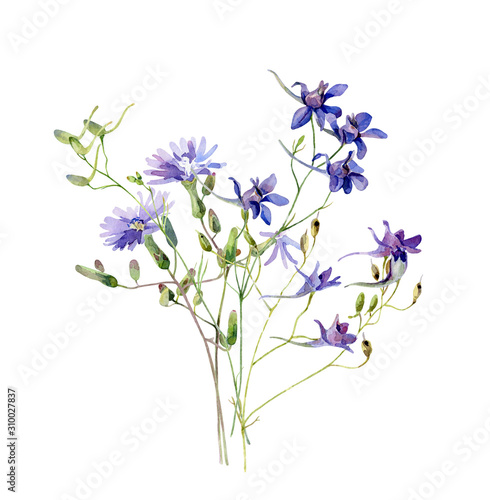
[315, 103]
[185, 158]
[335, 336]
[313, 283]
[131, 225]
[257, 195]
[344, 174]
[282, 241]
[355, 129]
[395, 246]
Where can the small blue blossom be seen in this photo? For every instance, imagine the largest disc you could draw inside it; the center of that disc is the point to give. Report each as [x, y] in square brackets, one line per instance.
[260, 193]
[186, 158]
[282, 241]
[133, 224]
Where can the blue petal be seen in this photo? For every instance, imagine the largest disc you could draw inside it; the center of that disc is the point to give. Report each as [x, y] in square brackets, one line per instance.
[301, 117]
[336, 90]
[347, 185]
[335, 183]
[361, 148]
[332, 110]
[320, 118]
[359, 181]
[276, 199]
[375, 133]
[363, 120]
[266, 214]
[255, 209]
[237, 187]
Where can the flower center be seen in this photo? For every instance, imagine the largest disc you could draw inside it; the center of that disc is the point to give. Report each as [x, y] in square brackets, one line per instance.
[137, 224]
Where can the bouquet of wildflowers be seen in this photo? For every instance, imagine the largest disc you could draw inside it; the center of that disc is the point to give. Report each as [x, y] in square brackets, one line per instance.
[236, 257]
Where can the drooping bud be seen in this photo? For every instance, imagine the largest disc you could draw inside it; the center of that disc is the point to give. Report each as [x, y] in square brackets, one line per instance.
[315, 227]
[372, 304]
[213, 221]
[204, 242]
[166, 296]
[209, 184]
[417, 291]
[78, 180]
[99, 266]
[375, 271]
[197, 206]
[360, 302]
[134, 270]
[160, 259]
[105, 279]
[304, 242]
[135, 180]
[232, 328]
[186, 283]
[367, 348]
[249, 239]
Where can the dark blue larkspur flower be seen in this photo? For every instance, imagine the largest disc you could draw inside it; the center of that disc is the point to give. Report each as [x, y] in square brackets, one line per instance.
[313, 283]
[355, 129]
[344, 174]
[260, 193]
[396, 247]
[335, 336]
[133, 224]
[185, 159]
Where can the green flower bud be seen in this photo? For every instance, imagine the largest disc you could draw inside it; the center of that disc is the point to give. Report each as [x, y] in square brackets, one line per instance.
[367, 348]
[99, 266]
[360, 302]
[78, 180]
[209, 184]
[230, 250]
[105, 279]
[372, 304]
[197, 299]
[232, 328]
[315, 227]
[417, 291]
[245, 215]
[223, 341]
[166, 296]
[304, 242]
[160, 259]
[197, 206]
[249, 239]
[213, 221]
[186, 283]
[204, 242]
[134, 270]
[220, 258]
[63, 137]
[375, 271]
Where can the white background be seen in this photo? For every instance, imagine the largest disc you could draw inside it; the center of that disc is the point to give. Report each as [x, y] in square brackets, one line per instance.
[380, 432]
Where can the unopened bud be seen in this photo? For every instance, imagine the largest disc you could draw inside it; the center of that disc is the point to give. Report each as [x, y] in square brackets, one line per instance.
[209, 184]
[304, 242]
[315, 227]
[204, 242]
[134, 270]
[220, 257]
[249, 239]
[186, 283]
[360, 302]
[166, 296]
[245, 215]
[213, 221]
[99, 266]
[373, 304]
[388, 267]
[197, 299]
[367, 348]
[78, 180]
[375, 271]
[417, 291]
[232, 328]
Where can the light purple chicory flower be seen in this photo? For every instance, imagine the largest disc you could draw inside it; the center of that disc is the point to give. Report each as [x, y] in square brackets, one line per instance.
[336, 336]
[313, 283]
[282, 241]
[184, 159]
[133, 224]
[395, 246]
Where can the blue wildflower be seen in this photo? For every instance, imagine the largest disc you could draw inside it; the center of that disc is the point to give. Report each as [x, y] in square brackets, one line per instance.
[282, 241]
[185, 159]
[133, 224]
